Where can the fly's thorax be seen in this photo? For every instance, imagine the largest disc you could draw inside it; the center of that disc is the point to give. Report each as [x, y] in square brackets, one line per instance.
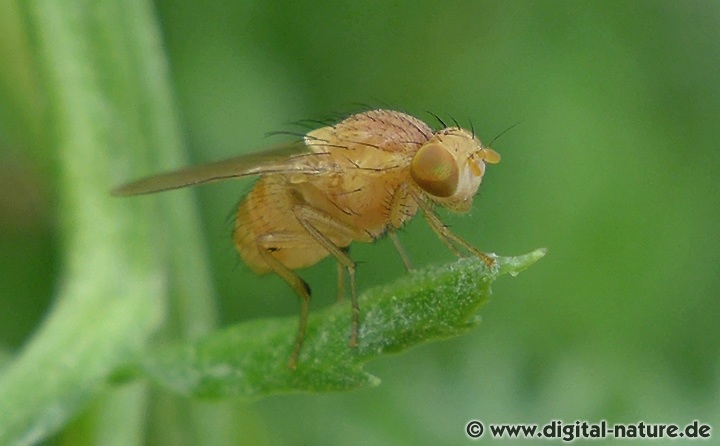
[450, 166]
[382, 130]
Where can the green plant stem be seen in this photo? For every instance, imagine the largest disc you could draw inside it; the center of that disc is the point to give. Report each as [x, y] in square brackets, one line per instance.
[105, 79]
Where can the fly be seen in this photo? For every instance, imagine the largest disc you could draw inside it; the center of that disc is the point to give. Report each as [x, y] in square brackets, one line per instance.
[354, 181]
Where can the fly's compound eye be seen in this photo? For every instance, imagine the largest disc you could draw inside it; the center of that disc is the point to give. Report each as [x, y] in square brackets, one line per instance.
[435, 170]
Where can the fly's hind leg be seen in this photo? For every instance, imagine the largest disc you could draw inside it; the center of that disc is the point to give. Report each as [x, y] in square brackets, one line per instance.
[317, 223]
[302, 289]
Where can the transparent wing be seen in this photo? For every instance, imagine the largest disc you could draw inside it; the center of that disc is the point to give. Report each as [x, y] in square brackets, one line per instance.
[286, 158]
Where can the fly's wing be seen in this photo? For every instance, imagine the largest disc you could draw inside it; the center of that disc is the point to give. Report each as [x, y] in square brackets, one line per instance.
[283, 159]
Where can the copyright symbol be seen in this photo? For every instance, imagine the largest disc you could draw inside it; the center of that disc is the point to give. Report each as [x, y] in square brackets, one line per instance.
[474, 429]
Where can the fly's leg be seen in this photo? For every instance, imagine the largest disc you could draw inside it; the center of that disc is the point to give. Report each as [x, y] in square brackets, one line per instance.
[449, 237]
[302, 289]
[402, 207]
[312, 219]
[341, 278]
[341, 282]
[403, 255]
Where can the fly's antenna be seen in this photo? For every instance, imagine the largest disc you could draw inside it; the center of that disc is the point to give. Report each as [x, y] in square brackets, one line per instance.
[503, 132]
[472, 129]
[442, 123]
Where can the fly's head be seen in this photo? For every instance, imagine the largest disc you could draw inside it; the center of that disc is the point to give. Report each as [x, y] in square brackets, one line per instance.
[450, 166]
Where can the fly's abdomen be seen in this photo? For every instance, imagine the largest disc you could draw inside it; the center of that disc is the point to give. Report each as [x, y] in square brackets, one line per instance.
[266, 221]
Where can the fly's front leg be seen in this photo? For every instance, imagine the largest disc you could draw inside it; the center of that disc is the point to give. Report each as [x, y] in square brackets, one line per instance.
[317, 223]
[448, 237]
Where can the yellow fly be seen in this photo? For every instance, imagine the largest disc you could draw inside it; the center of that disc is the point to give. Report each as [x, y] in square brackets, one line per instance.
[353, 181]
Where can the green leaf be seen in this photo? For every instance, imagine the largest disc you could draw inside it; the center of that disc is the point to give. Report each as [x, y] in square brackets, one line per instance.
[250, 359]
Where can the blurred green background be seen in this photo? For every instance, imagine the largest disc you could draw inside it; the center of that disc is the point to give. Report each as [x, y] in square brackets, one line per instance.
[614, 168]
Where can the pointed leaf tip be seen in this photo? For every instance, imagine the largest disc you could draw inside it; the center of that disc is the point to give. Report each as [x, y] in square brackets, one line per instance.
[516, 265]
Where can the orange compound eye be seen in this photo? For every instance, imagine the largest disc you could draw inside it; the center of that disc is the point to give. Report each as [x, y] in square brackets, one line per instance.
[434, 169]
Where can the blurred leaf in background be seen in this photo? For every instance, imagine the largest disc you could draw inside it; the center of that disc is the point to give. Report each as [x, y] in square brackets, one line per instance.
[614, 168]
